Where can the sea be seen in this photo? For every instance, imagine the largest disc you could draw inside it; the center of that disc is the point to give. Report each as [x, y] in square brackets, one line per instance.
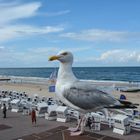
[128, 74]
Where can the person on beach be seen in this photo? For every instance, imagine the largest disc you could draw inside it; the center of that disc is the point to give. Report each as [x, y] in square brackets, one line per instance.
[89, 122]
[4, 111]
[33, 116]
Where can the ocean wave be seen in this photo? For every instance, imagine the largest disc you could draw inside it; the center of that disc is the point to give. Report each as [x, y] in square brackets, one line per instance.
[23, 79]
[40, 80]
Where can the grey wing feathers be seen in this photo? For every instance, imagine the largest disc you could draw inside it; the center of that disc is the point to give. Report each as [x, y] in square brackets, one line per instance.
[87, 97]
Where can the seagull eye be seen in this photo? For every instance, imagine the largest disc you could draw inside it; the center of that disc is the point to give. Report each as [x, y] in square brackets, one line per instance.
[65, 53]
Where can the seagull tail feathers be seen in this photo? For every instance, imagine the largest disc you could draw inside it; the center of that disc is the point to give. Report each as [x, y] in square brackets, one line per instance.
[121, 107]
[123, 104]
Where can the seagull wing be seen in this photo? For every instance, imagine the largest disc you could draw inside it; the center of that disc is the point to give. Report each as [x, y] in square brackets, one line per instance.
[88, 97]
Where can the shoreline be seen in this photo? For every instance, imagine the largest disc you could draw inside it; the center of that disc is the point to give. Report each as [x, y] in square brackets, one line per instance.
[29, 79]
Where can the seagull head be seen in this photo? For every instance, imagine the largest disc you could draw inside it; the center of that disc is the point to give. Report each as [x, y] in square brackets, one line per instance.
[63, 57]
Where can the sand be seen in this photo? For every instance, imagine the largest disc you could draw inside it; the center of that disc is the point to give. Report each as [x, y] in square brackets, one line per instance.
[131, 96]
[29, 88]
[43, 90]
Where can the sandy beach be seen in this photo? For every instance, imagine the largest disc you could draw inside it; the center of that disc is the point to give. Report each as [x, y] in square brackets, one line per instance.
[42, 89]
[29, 88]
[131, 96]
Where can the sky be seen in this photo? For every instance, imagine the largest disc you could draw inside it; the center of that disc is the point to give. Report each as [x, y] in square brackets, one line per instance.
[97, 32]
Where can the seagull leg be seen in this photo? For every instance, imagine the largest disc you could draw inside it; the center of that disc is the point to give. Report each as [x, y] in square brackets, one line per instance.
[82, 125]
[74, 129]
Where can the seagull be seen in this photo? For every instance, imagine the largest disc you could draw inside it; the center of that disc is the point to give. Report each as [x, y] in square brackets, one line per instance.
[83, 96]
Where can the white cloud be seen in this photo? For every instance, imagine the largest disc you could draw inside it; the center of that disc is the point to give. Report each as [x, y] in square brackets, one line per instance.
[15, 31]
[119, 56]
[14, 11]
[55, 50]
[43, 51]
[75, 49]
[59, 13]
[2, 47]
[101, 35]
[31, 57]
[110, 54]
[10, 12]
[39, 57]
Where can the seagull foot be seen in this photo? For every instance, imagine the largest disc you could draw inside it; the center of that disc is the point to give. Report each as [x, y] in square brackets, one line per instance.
[78, 133]
[72, 129]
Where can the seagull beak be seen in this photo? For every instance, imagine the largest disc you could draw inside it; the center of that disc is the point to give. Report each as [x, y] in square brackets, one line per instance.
[56, 57]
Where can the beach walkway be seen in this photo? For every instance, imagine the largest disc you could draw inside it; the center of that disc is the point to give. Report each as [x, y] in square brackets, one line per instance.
[17, 126]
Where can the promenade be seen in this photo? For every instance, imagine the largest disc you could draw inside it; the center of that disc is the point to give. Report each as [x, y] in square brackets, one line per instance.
[17, 126]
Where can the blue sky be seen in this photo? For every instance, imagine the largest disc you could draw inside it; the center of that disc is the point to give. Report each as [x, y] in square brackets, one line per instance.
[97, 32]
